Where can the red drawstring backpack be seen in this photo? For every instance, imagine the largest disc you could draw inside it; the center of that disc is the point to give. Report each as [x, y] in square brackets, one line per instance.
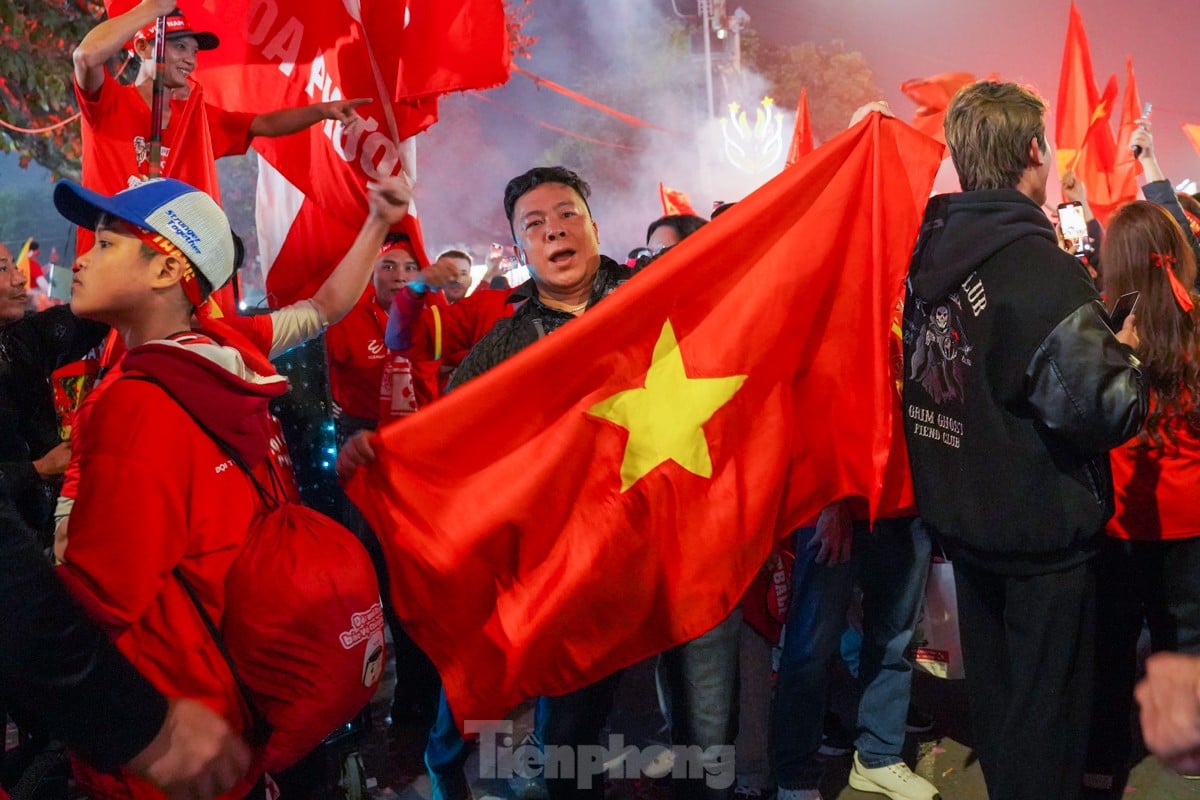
[302, 630]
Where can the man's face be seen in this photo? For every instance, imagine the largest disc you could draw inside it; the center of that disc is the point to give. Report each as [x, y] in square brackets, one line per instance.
[12, 288]
[559, 238]
[393, 269]
[457, 289]
[113, 278]
[180, 59]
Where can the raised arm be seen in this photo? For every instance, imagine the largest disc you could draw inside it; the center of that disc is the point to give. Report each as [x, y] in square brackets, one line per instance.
[389, 201]
[286, 121]
[106, 39]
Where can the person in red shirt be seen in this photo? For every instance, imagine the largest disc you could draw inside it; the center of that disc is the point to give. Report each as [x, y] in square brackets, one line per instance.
[1150, 558]
[355, 349]
[436, 339]
[359, 362]
[116, 118]
[158, 504]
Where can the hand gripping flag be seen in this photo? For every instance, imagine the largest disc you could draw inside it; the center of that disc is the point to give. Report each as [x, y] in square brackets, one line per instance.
[664, 441]
[275, 54]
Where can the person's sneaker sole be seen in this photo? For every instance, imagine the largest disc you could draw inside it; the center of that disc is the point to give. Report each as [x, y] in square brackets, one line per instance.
[863, 784]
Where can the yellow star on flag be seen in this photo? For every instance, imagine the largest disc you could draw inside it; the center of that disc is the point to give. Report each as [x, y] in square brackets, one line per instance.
[665, 418]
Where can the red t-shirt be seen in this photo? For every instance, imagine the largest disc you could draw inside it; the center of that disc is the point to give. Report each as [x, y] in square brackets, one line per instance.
[116, 132]
[356, 353]
[1155, 490]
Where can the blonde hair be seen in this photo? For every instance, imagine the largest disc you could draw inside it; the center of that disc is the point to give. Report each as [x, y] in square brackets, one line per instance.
[988, 127]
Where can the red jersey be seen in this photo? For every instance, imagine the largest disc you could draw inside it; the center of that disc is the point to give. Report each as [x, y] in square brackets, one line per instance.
[355, 353]
[116, 132]
[157, 494]
[1154, 491]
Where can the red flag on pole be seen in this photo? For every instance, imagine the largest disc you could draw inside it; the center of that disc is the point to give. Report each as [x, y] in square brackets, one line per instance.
[1077, 94]
[674, 201]
[575, 539]
[1096, 161]
[402, 55]
[932, 96]
[802, 139]
[1127, 168]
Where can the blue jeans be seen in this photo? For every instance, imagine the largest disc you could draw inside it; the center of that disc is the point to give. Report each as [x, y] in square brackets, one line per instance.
[446, 754]
[703, 679]
[891, 564]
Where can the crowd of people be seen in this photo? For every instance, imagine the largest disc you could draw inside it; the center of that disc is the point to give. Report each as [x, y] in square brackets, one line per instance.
[1052, 453]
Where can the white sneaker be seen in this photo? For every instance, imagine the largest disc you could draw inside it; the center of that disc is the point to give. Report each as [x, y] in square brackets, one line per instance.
[896, 781]
[797, 794]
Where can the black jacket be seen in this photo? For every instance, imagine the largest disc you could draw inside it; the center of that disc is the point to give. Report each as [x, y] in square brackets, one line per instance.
[1014, 387]
[30, 349]
[59, 669]
[531, 321]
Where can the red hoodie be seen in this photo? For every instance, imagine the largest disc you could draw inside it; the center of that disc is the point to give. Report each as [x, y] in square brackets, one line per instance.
[156, 493]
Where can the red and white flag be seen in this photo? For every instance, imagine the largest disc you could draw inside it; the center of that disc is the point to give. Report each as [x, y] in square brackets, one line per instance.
[276, 54]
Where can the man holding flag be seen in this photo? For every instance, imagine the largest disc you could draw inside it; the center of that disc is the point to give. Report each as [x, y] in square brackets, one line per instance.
[117, 120]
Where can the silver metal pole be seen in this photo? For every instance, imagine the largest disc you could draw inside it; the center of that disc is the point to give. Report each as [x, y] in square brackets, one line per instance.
[708, 82]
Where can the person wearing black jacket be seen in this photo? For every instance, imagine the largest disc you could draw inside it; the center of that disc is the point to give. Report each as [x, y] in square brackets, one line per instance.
[552, 225]
[33, 455]
[62, 671]
[1015, 389]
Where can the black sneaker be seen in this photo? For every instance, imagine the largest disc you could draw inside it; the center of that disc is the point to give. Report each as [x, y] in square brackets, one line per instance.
[918, 721]
[836, 738]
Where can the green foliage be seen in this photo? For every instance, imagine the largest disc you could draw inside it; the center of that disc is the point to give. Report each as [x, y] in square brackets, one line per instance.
[838, 82]
[36, 40]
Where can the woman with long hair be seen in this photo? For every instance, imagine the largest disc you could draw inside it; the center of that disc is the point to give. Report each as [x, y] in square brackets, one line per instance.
[1150, 557]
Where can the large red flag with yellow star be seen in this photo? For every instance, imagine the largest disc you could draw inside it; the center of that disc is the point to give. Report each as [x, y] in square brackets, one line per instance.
[653, 451]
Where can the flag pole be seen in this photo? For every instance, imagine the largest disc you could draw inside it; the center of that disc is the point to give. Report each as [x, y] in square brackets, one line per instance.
[156, 106]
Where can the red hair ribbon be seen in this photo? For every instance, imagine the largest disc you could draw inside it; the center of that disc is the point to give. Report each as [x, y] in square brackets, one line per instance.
[1167, 262]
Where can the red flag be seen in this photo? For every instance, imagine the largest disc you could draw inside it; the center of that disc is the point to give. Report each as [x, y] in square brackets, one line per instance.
[575, 539]
[932, 96]
[402, 55]
[1192, 132]
[1125, 171]
[674, 201]
[1077, 94]
[802, 140]
[1096, 162]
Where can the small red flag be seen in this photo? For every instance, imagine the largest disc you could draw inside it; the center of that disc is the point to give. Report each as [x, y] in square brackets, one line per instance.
[802, 139]
[1127, 168]
[674, 201]
[1192, 132]
[1096, 161]
[627, 510]
[932, 96]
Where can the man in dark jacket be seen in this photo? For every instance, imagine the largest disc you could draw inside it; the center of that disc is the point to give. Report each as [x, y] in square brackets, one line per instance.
[556, 236]
[1015, 389]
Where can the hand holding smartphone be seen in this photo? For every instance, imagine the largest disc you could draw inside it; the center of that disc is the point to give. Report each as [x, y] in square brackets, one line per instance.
[1143, 122]
[1073, 227]
[1121, 310]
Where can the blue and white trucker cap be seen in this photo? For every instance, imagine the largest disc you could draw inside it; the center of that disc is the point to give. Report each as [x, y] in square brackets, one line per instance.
[182, 214]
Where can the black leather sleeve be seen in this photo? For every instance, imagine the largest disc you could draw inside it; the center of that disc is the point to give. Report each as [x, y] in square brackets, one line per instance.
[1084, 385]
[60, 669]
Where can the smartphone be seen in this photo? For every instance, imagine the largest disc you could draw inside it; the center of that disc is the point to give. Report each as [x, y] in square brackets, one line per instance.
[1146, 109]
[1073, 226]
[1124, 306]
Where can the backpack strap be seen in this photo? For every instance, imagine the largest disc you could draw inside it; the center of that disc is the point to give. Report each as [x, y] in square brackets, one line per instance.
[260, 728]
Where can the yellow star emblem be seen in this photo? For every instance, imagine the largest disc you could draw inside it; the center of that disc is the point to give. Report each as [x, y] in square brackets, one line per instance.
[665, 418]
